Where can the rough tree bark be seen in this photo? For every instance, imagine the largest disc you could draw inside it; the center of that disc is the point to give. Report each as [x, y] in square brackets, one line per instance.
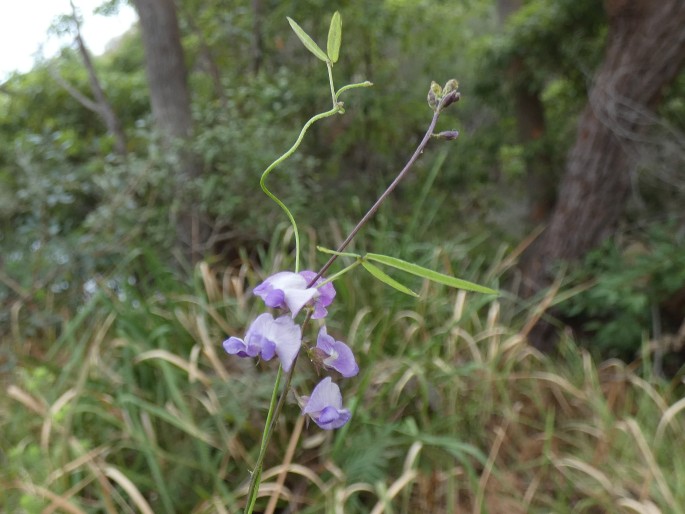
[170, 98]
[645, 51]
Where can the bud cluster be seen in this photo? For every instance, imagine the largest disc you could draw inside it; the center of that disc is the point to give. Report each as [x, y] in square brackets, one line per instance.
[441, 97]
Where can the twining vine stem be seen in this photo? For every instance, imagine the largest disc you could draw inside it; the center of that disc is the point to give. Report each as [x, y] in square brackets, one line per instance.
[337, 108]
[262, 181]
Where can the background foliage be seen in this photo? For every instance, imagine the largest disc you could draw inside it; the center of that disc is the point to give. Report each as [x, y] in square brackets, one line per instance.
[110, 357]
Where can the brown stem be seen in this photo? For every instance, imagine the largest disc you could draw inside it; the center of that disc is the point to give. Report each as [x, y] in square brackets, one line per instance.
[382, 198]
[104, 107]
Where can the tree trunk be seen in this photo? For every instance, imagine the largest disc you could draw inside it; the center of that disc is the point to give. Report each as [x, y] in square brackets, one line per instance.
[645, 51]
[171, 110]
[165, 66]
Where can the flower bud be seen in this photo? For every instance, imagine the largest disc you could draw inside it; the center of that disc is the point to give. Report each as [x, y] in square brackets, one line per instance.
[432, 100]
[434, 95]
[447, 135]
[450, 98]
[452, 85]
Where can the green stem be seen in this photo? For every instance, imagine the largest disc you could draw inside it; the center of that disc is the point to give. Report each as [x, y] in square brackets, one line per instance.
[266, 436]
[352, 86]
[269, 426]
[329, 65]
[341, 272]
[262, 181]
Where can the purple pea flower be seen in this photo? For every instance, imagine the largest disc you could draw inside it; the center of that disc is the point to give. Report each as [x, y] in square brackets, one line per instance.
[324, 406]
[288, 290]
[325, 296]
[268, 337]
[336, 354]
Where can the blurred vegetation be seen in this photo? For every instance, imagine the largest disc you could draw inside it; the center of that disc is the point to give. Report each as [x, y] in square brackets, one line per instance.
[118, 396]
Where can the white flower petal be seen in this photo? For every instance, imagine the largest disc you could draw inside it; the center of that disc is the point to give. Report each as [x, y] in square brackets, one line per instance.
[288, 339]
[295, 299]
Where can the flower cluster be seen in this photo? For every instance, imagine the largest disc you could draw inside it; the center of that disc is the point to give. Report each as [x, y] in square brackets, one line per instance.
[268, 336]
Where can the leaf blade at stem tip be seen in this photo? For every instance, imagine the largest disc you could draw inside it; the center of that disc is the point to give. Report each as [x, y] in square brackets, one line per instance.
[307, 41]
[334, 37]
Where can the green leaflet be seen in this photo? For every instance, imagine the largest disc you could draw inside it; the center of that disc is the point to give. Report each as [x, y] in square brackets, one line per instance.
[334, 37]
[323, 249]
[307, 41]
[420, 271]
[380, 275]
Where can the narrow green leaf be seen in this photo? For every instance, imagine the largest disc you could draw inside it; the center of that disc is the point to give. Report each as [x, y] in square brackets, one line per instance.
[334, 37]
[307, 41]
[323, 249]
[420, 271]
[380, 275]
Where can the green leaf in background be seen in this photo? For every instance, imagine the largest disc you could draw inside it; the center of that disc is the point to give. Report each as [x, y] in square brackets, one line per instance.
[420, 271]
[334, 37]
[307, 41]
[380, 275]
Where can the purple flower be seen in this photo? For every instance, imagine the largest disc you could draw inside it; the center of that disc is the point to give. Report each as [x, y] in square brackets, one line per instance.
[336, 354]
[268, 337]
[288, 290]
[324, 406]
[325, 296]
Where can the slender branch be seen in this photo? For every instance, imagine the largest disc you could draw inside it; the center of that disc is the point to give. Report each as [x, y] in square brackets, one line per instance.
[73, 92]
[105, 108]
[382, 198]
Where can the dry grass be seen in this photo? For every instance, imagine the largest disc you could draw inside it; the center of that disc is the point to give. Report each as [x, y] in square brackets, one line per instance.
[142, 412]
